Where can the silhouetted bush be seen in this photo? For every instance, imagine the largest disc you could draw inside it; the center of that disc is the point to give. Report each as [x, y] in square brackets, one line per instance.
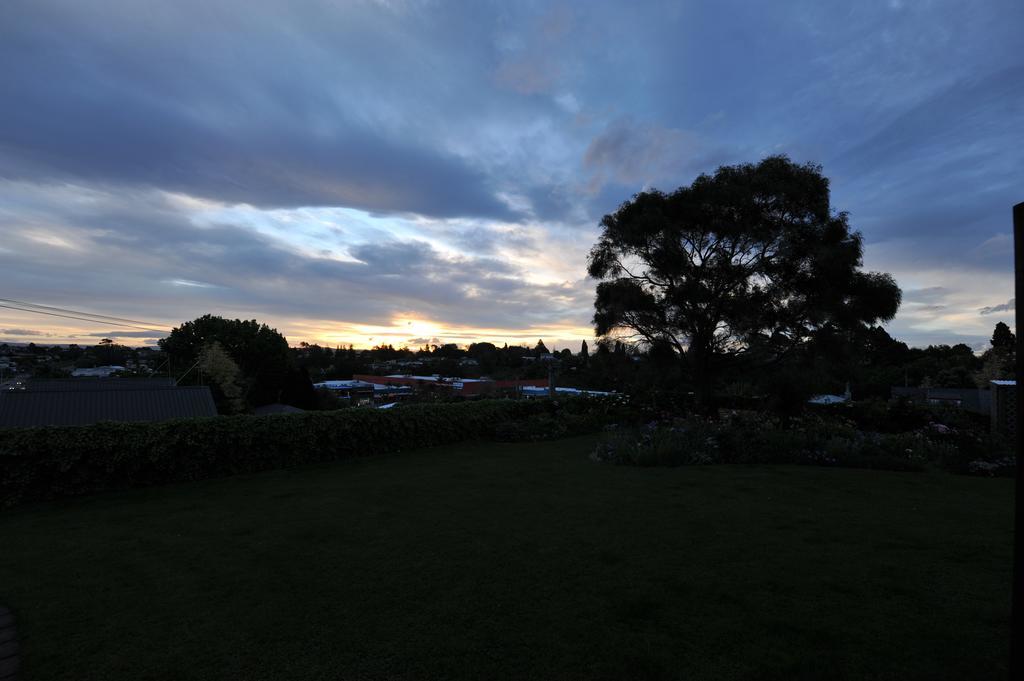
[547, 427]
[41, 463]
[565, 417]
[902, 416]
[44, 463]
[761, 439]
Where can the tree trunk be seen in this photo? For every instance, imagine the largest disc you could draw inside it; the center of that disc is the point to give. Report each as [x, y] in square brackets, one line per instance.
[703, 382]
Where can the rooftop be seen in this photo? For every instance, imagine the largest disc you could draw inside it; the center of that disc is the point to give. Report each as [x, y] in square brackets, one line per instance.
[80, 407]
[94, 384]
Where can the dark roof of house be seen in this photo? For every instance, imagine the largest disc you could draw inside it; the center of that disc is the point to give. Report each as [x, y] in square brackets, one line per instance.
[79, 407]
[90, 384]
[907, 392]
[276, 408]
[950, 393]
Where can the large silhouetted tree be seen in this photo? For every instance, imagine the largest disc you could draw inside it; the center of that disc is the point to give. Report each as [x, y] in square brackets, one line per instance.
[260, 352]
[743, 265]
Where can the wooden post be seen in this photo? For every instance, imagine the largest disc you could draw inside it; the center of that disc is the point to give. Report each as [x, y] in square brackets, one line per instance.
[1017, 604]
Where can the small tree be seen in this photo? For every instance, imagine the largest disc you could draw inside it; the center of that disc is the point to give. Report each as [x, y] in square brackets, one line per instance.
[1003, 338]
[260, 352]
[216, 363]
[999, 361]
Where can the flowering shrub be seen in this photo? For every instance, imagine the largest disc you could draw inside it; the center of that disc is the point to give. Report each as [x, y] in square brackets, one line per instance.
[658, 445]
[761, 439]
[534, 420]
[1000, 467]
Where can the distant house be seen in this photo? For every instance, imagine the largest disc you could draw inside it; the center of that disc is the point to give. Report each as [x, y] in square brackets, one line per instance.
[80, 402]
[347, 389]
[98, 372]
[461, 387]
[970, 399]
[828, 399]
[1004, 408]
[543, 357]
[532, 391]
[276, 408]
[361, 391]
[92, 384]
[846, 397]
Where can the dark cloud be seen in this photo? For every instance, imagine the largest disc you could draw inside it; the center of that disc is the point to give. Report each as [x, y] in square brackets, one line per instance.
[481, 240]
[83, 101]
[535, 65]
[126, 334]
[420, 342]
[267, 168]
[26, 332]
[1008, 306]
[940, 172]
[929, 295]
[632, 154]
[158, 249]
[972, 107]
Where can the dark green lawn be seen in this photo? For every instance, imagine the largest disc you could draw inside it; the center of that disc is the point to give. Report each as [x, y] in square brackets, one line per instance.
[518, 562]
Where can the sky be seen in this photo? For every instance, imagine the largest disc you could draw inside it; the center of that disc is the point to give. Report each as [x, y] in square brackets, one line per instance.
[417, 171]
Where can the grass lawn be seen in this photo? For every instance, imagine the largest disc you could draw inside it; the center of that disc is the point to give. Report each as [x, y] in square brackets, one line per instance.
[491, 561]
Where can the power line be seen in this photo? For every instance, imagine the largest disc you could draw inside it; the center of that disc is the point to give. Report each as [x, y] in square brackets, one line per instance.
[76, 312]
[84, 319]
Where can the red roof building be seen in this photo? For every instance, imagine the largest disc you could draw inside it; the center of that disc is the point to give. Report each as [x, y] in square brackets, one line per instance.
[468, 387]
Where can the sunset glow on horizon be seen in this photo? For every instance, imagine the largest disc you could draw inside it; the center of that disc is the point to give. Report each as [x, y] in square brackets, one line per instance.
[402, 332]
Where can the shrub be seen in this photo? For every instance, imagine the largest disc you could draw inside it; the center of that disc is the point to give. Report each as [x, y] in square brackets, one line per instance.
[553, 419]
[653, 445]
[46, 463]
[532, 429]
[755, 439]
[42, 463]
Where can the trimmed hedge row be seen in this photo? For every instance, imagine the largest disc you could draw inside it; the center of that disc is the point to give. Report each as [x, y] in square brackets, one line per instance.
[47, 463]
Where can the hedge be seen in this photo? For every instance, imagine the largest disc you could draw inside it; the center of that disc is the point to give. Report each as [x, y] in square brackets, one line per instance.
[48, 463]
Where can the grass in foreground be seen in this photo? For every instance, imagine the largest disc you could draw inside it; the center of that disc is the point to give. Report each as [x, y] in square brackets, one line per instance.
[518, 561]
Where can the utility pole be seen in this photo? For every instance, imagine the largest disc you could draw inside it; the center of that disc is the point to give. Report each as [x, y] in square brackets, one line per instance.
[1017, 604]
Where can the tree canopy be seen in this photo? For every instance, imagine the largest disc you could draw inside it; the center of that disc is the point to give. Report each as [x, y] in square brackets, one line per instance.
[260, 352]
[1003, 338]
[742, 265]
[999, 361]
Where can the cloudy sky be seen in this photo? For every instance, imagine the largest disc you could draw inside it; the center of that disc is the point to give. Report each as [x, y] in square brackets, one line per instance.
[406, 170]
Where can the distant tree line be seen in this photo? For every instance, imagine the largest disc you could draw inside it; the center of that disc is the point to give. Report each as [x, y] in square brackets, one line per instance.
[55, 361]
[248, 364]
